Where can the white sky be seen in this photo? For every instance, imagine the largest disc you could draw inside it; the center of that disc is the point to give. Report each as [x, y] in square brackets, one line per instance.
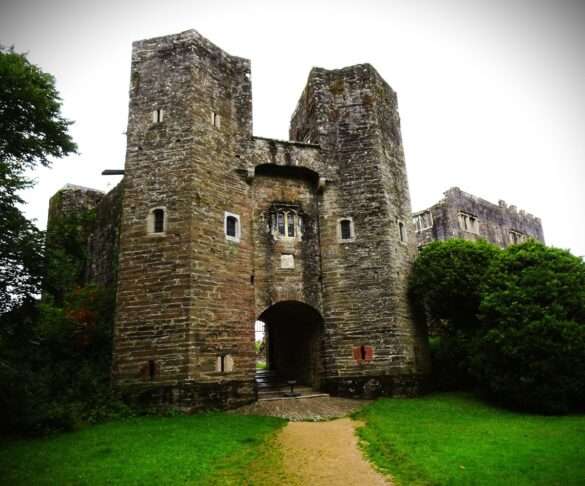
[491, 93]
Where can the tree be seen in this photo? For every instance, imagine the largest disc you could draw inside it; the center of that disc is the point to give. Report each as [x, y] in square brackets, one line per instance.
[32, 131]
[530, 352]
[55, 354]
[445, 288]
[446, 280]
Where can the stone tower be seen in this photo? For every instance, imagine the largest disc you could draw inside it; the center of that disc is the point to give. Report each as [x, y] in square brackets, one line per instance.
[182, 295]
[352, 114]
[220, 228]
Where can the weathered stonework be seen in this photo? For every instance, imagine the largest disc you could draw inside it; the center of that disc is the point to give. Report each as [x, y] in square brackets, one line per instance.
[219, 228]
[72, 200]
[104, 242]
[352, 114]
[462, 215]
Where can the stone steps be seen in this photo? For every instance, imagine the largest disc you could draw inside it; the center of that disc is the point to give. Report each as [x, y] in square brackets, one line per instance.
[270, 386]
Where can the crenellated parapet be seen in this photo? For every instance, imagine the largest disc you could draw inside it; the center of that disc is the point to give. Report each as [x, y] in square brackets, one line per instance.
[462, 215]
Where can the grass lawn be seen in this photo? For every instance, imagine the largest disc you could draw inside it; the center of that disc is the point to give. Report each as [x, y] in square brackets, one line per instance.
[200, 449]
[447, 439]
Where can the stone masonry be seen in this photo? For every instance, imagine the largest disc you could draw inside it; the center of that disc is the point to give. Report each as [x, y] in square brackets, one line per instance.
[219, 228]
[462, 215]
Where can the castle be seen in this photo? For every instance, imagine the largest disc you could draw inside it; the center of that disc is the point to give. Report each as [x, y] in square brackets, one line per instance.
[213, 228]
[463, 215]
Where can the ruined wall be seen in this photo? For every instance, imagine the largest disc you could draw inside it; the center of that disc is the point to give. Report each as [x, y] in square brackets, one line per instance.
[103, 243]
[98, 216]
[352, 114]
[72, 200]
[71, 221]
[500, 224]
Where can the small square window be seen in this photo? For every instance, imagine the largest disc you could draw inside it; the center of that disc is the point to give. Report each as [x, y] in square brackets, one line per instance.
[159, 220]
[290, 217]
[224, 363]
[345, 230]
[363, 354]
[423, 221]
[232, 227]
[280, 223]
[156, 222]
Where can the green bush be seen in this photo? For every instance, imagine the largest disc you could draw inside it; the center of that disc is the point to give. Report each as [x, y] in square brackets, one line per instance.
[55, 366]
[449, 359]
[446, 281]
[512, 321]
[445, 287]
[530, 352]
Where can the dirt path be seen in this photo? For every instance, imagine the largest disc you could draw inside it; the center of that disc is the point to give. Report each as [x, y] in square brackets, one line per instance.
[325, 453]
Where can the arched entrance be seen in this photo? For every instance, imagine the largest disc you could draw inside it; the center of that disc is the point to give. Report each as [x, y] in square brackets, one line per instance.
[293, 333]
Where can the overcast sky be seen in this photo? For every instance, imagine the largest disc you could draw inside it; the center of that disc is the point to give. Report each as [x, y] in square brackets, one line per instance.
[491, 93]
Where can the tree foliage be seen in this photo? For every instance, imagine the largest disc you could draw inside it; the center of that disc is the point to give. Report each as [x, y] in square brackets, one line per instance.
[55, 354]
[32, 128]
[21, 257]
[531, 350]
[445, 283]
[56, 373]
[32, 131]
[515, 320]
[447, 277]
[66, 250]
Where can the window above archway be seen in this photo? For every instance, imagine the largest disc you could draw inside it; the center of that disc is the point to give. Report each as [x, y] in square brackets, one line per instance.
[286, 223]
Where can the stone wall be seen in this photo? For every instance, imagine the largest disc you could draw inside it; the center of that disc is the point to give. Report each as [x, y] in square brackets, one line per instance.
[263, 151]
[103, 227]
[71, 220]
[72, 200]
[352, 114]
[499, 223]
[103, 243]
[184, 296]
[286, 268]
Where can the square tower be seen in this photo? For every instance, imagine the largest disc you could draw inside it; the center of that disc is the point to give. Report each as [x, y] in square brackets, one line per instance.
[185, 255]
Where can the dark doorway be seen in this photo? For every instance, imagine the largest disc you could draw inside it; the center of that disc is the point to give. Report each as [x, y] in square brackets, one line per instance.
[293, 333]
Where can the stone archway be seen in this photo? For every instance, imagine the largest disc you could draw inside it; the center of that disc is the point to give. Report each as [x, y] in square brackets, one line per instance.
[293, 341]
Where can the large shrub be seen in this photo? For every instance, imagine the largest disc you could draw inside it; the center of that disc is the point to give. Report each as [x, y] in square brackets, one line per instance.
[530, 352]
[55, 370]
[446, 280]
[445, 288]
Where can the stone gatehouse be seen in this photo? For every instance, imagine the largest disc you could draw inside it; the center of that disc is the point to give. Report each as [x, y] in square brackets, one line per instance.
[213, 228]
